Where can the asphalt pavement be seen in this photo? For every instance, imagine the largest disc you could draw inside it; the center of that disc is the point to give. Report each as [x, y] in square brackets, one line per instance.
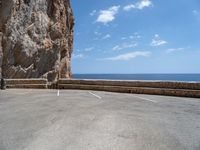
[94, 120]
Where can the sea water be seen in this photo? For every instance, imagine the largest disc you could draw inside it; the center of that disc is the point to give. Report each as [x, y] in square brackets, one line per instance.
[164, 77]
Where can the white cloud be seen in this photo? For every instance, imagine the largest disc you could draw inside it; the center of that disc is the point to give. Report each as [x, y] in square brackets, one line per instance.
[107, 36]
[143, 4]
[157, 41]
[77, 56]
[117, 47]
[108, 15]
[129, 56]
[97, 33]
[131, 37]
[93, 13]
[139, 5]
[129, 7]
[124, 46]
[135, 36]
[123, 38]
[88, 49]
[171, 50]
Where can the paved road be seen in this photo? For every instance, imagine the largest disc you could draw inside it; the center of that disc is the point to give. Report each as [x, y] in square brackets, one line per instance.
[89, 120]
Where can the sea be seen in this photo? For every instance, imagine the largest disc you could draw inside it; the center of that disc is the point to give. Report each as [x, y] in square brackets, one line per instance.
[163, 77]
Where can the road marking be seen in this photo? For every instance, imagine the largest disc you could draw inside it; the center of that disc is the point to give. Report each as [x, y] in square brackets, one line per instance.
[58, 93]
[97, 96]
[146, 99]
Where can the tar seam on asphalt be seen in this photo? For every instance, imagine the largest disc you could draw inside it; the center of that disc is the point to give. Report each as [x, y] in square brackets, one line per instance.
[97, 96]
[146, 99]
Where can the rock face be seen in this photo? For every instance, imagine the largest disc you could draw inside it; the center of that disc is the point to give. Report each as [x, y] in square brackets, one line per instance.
[36, 38]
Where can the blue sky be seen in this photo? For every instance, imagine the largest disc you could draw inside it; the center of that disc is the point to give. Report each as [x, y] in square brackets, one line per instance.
[136, 36]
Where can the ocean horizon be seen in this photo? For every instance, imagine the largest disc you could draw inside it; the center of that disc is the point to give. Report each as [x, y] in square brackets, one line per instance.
[164, 77]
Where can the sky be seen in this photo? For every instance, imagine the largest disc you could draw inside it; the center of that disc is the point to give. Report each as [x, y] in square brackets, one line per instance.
[136, 36]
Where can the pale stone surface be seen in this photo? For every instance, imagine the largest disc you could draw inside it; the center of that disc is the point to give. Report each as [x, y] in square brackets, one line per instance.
[37, 38]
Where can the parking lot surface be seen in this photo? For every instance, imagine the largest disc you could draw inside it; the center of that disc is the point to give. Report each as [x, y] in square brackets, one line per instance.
[94, 120]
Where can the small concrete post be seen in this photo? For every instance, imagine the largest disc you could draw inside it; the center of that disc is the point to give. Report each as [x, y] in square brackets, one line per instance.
[3, 84]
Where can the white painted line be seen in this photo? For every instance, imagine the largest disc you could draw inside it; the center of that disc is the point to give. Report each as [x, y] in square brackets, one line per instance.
[97, 96]
[146, 99]
[58, 93]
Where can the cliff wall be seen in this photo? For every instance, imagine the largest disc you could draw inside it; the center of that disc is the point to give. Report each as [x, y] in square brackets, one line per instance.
[36, 38]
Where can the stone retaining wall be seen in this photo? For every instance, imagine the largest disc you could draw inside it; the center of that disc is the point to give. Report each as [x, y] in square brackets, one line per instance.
[182, 89]
[134, 83]
[27, 83]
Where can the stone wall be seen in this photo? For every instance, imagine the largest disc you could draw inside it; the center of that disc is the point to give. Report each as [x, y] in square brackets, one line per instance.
[181, 89]
[136, 83]
[37, 38]
[27, 83]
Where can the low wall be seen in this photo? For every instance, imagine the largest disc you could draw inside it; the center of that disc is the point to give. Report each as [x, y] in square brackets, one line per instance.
[27, 83]
[134, 83]
[182, 89]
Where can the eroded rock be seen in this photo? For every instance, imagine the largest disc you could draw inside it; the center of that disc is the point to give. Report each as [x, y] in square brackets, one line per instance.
[36, 38]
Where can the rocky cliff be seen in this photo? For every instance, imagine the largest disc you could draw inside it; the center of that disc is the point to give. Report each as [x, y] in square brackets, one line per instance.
[36, 38]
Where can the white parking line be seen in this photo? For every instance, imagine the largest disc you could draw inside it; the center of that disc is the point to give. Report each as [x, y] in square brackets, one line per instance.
[97, 96]
[58, 93]
[146, 99]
